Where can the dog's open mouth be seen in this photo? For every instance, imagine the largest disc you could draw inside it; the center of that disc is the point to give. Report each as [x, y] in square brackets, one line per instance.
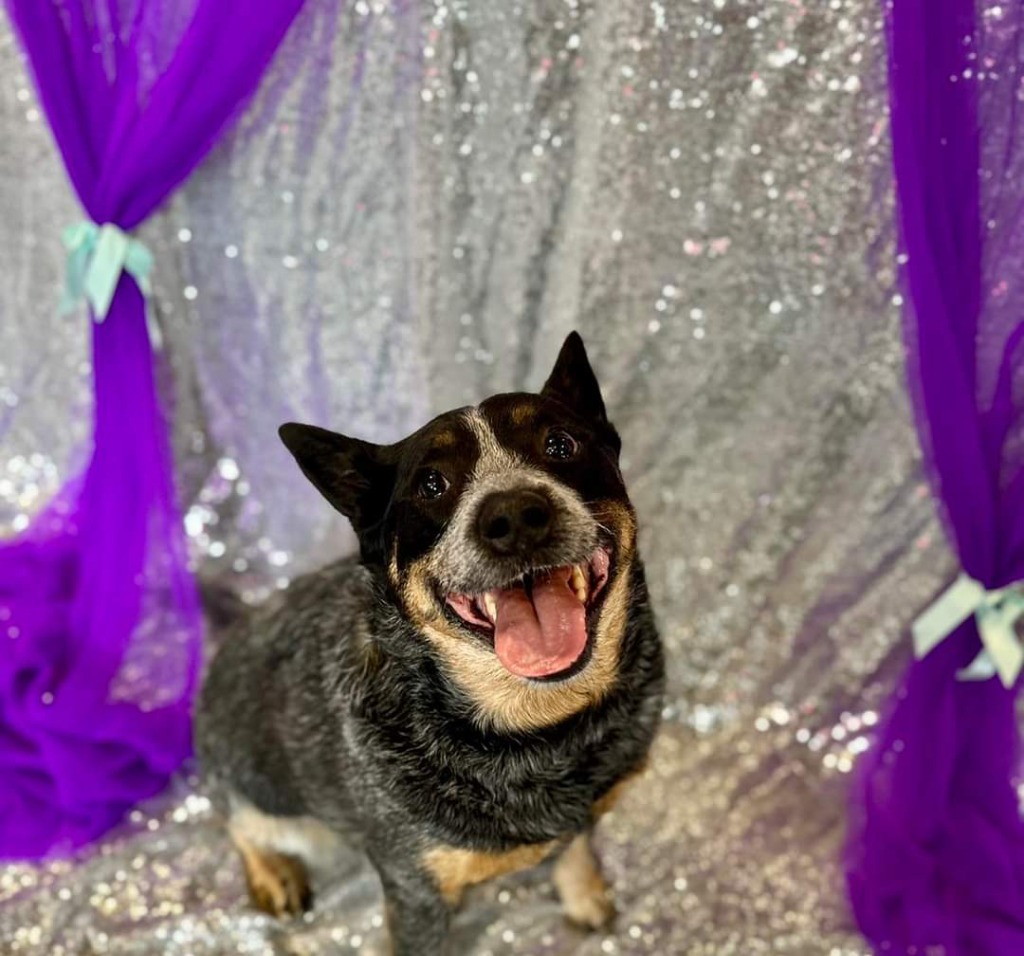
[539, 623]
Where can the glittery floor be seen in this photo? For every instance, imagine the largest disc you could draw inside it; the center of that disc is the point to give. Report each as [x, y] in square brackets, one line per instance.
[691, 875]
[422, 200]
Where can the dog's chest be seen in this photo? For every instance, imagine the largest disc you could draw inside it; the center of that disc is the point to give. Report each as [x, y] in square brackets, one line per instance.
[508, 805]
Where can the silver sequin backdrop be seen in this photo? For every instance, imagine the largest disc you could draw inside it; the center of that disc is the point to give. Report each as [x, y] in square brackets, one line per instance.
[423, 199]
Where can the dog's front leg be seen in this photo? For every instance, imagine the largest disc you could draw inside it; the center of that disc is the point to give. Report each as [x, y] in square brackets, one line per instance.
[417, 914]
[585, 897]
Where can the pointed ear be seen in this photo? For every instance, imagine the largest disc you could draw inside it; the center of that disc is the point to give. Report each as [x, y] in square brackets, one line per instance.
[351, 474]
[573, 383]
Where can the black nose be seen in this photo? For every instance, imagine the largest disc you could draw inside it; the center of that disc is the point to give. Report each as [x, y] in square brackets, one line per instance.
[513, 522]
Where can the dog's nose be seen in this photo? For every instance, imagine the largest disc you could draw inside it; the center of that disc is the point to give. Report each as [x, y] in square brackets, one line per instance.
[513, 522]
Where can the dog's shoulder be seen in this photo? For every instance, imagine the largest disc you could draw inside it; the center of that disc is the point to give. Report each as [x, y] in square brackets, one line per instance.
[283, 642]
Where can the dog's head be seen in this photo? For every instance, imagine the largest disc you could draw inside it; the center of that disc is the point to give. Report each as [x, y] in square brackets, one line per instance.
[506, 535]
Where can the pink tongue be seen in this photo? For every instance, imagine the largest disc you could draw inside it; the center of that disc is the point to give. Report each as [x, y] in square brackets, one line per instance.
[544, 636]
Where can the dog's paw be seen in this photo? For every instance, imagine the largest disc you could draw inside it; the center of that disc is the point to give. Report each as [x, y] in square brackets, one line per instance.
[591, 909]
[586, 898]
[278, 884]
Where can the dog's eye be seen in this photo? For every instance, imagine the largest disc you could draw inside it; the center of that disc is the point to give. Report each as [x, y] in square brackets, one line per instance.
[431, 484]
[560, 444]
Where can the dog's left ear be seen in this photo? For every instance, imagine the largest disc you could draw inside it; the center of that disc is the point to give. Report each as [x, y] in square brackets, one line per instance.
[573, 383]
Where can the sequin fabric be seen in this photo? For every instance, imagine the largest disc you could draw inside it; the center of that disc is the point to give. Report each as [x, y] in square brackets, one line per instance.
[422, 200]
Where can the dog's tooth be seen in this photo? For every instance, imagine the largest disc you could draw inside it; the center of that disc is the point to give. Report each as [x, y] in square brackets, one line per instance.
[579, 583]
[491, 606]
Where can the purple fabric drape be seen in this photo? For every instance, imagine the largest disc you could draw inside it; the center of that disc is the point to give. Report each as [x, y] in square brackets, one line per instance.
[99, 617]
[935, 857]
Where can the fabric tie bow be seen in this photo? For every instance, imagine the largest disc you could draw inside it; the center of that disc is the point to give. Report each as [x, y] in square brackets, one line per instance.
[996, 613]
[97, 255]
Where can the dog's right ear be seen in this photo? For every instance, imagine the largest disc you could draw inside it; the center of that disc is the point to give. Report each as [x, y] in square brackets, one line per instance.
[351, 474]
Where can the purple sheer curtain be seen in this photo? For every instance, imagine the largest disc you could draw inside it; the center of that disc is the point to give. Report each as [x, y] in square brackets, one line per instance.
[935, 857]
[99, 617]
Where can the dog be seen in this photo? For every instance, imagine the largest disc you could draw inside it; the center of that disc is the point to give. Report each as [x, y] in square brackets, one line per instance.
[467, 697]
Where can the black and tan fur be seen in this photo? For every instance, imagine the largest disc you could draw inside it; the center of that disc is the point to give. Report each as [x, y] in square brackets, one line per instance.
[357, 705]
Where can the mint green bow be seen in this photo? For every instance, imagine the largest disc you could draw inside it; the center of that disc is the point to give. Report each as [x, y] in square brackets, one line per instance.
[97, 255]
[996, 613]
